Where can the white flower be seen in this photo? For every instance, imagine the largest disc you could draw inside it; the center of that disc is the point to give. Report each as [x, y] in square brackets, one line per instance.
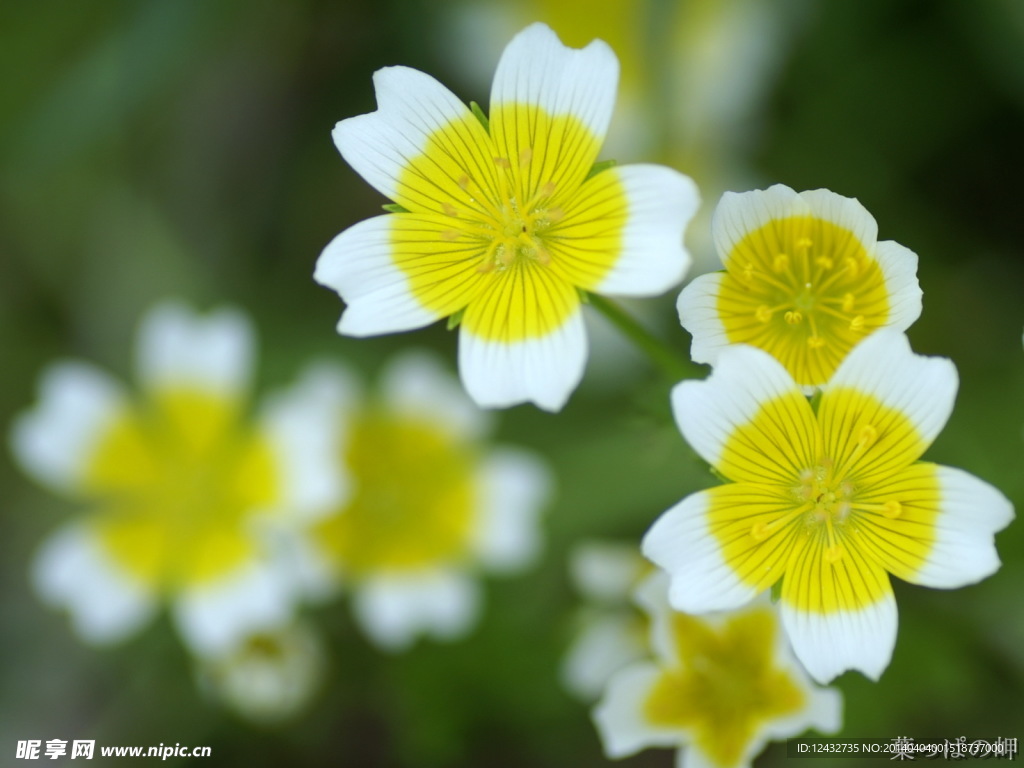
[611, 631]
[183, 487]
[805, 279]
[267, 677]
[502, 226]
[431, 505]
[718, 687]
[830, 500]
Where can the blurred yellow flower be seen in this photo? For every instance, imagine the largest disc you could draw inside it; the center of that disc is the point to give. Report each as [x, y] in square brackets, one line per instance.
[504, 223]
[719, 687]
[182, 484]
[430, 505]
[805, 279]
[830, 501]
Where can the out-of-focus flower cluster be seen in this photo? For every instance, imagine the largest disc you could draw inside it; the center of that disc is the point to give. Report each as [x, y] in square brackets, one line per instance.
[232, 515]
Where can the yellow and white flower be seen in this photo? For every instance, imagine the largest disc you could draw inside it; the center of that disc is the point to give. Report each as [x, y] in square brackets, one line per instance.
[269, 676]
[611, 631]
[719, 687]
[430, 506]
[830, 500]
[805, 280]
[182, 486]
[503, 224]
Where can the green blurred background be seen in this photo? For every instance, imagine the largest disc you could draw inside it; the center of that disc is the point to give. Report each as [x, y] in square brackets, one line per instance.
[153, 149]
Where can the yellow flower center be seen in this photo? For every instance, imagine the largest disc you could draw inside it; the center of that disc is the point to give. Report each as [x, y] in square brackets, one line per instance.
[505, 225]
[805, 290]
[726, 685]
[178, 483]
[823, 494]
[414, 502]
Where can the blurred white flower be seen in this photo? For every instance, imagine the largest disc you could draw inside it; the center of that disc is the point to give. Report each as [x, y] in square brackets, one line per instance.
[430, 505]
[718, 686]
[267, 677]
[610, 630]
[183, 487]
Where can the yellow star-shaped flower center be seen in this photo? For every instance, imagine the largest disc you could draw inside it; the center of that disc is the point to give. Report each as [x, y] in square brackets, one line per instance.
[725, 685]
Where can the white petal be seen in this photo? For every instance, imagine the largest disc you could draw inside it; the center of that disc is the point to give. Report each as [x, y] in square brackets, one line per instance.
[417, 384]
[971, 512]
[359, 265]
[106, 605]
[698, 313]
[306, 426]
[921, 388]
[680, 543]
[830, 643]
[393, 609]
[214, 617]
[899, 268]
[55, 441]
[708, 412]
[543, 370]
[411, 106]
[619, 716]
[536, 69]
[605, 571]
[516, 486]
[739, 213]
[845, 212]
[603, 647]
[661, 203]
[652, 595]
[177, 347]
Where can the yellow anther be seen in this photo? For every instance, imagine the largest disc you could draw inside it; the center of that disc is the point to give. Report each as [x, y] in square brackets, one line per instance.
[834, 553]
[450, 235]
[748, 272]
[867, 436]
[794, 317]
[449, 209]
[553, 214]
[848, 301]
[815, 342]
[548, 189]
[852, 266]
[824, 261]
[525, 157]
[761, 531]
[486, 266]
[543, 257]
[502, 162]
[892, 509]
[804, 242]
[781, 262]
[464, 181]
[857, 324]
[763, 313]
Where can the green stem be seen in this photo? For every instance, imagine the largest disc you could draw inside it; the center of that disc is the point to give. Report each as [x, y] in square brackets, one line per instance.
[657, 350]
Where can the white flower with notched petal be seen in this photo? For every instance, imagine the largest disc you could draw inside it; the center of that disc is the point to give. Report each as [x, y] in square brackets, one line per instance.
[183, 486]
[830, 500]
[502, 224]
[805, 280]
[431, 504]
[719, 687]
